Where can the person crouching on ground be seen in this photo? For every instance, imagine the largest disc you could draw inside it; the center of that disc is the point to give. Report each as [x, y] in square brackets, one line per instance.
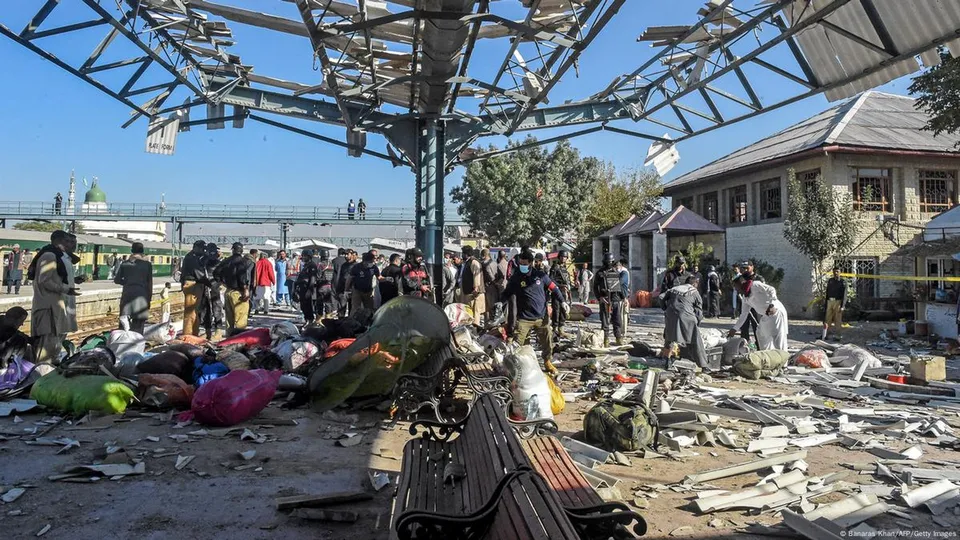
[762, 299]
[529, 285]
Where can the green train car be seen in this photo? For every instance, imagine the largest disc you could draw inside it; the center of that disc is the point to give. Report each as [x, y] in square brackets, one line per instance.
[98, 254]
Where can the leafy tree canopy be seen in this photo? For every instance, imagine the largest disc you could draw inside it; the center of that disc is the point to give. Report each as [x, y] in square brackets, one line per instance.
[45, 226]
[517, 198]
[619, 195]
[938, 94]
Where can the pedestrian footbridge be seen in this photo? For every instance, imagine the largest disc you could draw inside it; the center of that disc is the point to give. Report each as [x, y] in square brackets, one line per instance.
[214, 213]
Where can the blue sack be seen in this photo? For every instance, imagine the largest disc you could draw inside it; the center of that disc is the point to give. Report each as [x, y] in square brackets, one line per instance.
[204, 372]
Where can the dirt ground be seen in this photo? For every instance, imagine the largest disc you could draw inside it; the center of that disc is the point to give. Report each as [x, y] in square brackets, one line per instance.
[208, 498]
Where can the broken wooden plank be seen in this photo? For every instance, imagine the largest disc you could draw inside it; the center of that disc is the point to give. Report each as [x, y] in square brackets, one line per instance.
[308, 501]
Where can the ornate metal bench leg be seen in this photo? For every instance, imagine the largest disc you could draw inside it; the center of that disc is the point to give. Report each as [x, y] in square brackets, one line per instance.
[610, 520]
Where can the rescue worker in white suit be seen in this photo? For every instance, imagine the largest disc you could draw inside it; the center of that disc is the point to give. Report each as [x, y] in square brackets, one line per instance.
[773, 324]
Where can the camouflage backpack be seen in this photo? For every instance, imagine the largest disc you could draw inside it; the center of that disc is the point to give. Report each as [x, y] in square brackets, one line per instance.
[616, 427]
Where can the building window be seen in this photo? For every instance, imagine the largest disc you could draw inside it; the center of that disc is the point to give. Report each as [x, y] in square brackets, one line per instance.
[770, 199]
[711, 207]
[866, 288]
[940, 290]
[872, 190]
[937, 190]
[686, 202]
[808, 180]
[738, 204]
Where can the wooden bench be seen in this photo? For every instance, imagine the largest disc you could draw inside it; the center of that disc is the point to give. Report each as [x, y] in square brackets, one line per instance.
[499, 497]
[596, 518]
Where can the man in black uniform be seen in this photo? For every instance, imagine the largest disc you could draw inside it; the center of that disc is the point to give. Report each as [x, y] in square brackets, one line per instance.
[337, 265]
[529, 286]
[609, 292]
[712, 288]
[236, 273]
[390, 285]
[210, 307]
[561, 277]
[675, 276]
[307, 287]
[343, 295]
[191, 291]
[836, 300]
[416, 279]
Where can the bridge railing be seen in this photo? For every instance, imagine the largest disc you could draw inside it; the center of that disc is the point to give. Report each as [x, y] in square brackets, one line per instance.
[160, 211]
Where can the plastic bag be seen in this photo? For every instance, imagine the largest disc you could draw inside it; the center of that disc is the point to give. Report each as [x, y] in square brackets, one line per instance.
[458, 314]
[126, 366]
[124, 341]
[711, 337]
[463, 338]
[296, 352]
[15, 372]
[160, 333]
[337, 346]
[164, 391]
[528, 384]
[283, 330]
[557, 403]
[590, 339]
[205, 371]
[235, 397]
[812, 358]
[851, 355]
[82, 393]
[257, 337]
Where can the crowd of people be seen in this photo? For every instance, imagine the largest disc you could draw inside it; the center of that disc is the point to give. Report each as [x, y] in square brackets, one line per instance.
[527, 294]
[15, 265]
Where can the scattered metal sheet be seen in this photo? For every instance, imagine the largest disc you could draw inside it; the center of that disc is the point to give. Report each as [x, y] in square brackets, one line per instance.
[820, 529]
[772, 432]
[757, 445]
[717, 411]
[842, 507]
[597, 478]
[916, 497]
[765, 416]
[932, 474]
[741, 468]
[943, 502]
[16, 405]
[815, 440]
[587, 450]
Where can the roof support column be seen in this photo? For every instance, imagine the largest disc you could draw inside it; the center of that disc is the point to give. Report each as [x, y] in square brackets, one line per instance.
[430, 174]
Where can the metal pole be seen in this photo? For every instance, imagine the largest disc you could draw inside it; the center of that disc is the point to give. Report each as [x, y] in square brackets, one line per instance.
[430, 174]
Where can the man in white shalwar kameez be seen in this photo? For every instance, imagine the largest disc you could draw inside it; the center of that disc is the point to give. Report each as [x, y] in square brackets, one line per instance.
[772, 326]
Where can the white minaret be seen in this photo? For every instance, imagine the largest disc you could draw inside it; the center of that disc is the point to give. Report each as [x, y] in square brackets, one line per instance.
[71, 195]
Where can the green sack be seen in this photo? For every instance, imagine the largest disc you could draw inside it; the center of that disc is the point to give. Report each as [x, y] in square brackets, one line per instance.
[761, 364]
[81, 393]
[617, 428]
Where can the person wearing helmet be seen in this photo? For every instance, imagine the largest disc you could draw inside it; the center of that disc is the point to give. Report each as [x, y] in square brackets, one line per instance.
[210, 308]
[529, 285]
[712, 287]
[609, 292]
[416, 279]
[191, 291]
[236, 274]
[561, 276]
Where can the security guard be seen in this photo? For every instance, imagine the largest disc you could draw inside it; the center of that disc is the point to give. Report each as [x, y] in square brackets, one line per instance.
[609, 292]
[561, 276]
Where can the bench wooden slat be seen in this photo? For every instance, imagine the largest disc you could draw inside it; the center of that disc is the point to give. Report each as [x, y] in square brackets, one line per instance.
[565, 478]
[548, 468]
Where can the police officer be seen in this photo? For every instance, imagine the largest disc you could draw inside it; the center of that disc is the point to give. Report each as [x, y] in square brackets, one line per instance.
[609, 292]
[529, 285]
[416, 279]
[561, 276]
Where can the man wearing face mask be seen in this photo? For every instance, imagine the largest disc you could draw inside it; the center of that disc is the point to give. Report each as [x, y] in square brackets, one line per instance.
[530, 286]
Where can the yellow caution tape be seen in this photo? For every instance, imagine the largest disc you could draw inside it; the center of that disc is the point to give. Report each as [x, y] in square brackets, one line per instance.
[902, 278]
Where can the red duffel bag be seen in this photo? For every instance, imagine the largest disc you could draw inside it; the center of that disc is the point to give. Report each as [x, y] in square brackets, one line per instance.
[257, 337]
[235, 397]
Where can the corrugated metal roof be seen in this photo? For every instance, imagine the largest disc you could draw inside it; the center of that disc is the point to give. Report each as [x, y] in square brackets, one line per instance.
[834, 57]
[682, 220]
[874, 120]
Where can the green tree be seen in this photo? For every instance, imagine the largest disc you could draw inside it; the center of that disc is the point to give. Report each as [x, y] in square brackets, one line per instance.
[696, 252]
[938, 94]
[821, 223]
[45, 226]
[618, 195]
[517, 198]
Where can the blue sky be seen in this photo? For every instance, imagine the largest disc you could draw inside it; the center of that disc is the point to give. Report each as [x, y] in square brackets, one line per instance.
[52, 122]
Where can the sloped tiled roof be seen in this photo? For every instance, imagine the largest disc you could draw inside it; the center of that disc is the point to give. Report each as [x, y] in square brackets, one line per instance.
[682, 220]
[872, 120]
